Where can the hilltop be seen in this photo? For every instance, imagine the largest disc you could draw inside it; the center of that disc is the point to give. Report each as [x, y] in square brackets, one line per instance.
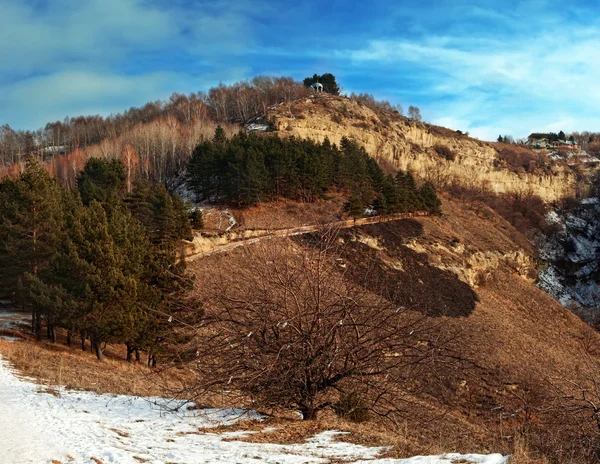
[435, 154]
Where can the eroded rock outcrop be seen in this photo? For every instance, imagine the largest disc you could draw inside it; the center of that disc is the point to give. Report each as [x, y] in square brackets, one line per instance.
[407, 144]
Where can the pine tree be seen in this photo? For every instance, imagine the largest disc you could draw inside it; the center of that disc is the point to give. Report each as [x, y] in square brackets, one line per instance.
[197, 219]
[355, 206]
[408, 191]
[31, 227]
[388, 199]
[430, 200]
[253, 178]
[102, 180]
[328, 80]
[219, 138]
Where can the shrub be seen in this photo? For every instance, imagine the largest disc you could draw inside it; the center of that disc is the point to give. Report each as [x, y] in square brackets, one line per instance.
[444, 152]
[290, 330]
[350, 406]
[197, 219]
[361, 125]
[519, 159]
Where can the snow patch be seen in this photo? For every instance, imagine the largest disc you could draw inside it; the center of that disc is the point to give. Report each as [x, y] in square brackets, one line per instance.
[447, 459]
[38, 425]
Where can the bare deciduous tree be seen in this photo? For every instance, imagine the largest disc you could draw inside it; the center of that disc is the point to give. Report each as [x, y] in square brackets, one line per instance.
[414, 113]
[289, 330]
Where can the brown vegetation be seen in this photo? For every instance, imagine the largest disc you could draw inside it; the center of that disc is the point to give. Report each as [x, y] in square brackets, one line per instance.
[522, 377]
[511, 341]
[520, 159]
[60, 365]
[290, 329]
[285, 214]
[525, 211]
[444, 152]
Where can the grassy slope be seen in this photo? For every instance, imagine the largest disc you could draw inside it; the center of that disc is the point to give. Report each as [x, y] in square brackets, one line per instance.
[474, 273]
[470, 269]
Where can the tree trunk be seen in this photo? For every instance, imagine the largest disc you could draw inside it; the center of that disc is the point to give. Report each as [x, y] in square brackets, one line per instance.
[151, 359]
[137, 355]
[130, 351]
[38, 325]
[98, 350]
[308, 412]
[50, 330]
[69, 340]
[82, 343]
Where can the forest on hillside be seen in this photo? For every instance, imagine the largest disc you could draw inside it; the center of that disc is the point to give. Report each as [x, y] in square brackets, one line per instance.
[249, 169]
[156, 139]
[99, 261]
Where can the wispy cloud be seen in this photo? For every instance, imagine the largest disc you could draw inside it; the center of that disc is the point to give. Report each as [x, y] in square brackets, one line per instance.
[487, 68]
[544, 80]
[64, 57]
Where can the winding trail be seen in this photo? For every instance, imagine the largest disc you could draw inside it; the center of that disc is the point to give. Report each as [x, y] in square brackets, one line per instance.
[207, 249]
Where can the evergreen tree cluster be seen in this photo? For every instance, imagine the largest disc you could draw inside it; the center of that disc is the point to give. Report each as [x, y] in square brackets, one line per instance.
[251, 168]
[328, 80]
[94, 260]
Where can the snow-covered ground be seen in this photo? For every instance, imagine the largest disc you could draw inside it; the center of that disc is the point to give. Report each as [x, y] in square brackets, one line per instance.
[11, 320]
[38, 425]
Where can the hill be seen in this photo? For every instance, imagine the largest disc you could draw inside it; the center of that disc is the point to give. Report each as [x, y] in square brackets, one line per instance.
[445, 342]
[520, 360]
[435, 154]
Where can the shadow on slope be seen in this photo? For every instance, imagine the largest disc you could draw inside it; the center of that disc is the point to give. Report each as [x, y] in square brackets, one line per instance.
[376, 256]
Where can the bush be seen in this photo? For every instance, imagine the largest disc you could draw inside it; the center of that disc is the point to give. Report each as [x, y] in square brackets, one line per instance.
[197, 219]
[290, 330]
[362, 125]
[444, 152]
[519, 159]
[525, 211]
[351, 407]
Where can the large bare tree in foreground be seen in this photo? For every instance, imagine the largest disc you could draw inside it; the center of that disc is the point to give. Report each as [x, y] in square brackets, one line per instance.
[288, 330]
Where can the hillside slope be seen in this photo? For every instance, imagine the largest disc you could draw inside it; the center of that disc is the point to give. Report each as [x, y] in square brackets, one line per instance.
[471, 274]
[407, 144]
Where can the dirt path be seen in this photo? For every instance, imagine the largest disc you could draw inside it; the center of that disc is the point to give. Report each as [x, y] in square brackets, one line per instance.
[202, 249]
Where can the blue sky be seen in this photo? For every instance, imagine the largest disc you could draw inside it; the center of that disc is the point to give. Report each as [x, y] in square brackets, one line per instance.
[486, 67]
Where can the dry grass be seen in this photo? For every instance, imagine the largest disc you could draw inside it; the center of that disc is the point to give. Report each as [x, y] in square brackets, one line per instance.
[402, 442]
[521, 455]
[283, 214]
[60, 365]
[516, 335]
[276, 214]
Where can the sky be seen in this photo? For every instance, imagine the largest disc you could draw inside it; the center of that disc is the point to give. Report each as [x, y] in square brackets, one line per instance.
[486, 67]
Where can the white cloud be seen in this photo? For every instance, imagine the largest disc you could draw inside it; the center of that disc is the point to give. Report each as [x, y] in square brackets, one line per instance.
[100, 56]
[33, 102]
[495, 86]
[71, 33]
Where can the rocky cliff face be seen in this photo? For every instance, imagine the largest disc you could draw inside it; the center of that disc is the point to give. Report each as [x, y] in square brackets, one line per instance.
[571, 252]
[407, 144]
